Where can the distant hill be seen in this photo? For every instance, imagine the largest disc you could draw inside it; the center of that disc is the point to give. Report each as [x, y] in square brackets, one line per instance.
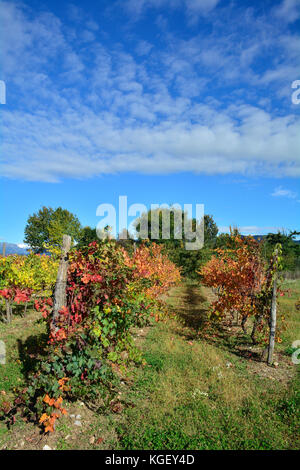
[261, 237]
[13, 249]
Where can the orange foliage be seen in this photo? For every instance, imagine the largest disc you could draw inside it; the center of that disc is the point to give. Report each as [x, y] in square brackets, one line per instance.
[238, 275]
[48, 421]
[62, 384]
[152, 264]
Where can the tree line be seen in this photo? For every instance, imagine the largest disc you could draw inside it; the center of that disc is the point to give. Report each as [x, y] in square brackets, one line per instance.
[47, 226]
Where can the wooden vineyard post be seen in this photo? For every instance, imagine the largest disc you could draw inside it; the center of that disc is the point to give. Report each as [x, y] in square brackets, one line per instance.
[60, 296]
[7, 302]
[272, 323]
[8, 311]
[273, 315]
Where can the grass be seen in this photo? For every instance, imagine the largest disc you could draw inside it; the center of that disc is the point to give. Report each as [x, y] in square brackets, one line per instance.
[22, 331]
[194, 401]
[288, 309]
[198, 389]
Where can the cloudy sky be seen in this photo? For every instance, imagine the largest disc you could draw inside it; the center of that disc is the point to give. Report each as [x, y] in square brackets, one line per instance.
[165, 101]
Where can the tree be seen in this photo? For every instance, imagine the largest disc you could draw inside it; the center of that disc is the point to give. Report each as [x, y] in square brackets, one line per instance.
[156, 219]
[290, 249]
[210, 231]
[228, 240]
[188, 260]
[175, 218]
[48, 225]
[87, 236]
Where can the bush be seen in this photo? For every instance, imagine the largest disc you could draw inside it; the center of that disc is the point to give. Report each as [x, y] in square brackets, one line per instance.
[108, 293]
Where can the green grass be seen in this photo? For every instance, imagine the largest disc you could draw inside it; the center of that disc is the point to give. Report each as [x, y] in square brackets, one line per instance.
[186, 396]
[193, 401]
[20, 336]
[288, 309]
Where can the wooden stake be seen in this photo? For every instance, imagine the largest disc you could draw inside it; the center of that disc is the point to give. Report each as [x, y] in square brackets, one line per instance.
[8, 311]
[60, 297]
[272, 323]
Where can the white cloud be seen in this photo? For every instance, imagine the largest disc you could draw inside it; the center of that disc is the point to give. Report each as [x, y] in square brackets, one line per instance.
[103, 110]
[82, 144]
[193, 8]
[281, 192]
[143, 48]
[196, 8]
[288, 10]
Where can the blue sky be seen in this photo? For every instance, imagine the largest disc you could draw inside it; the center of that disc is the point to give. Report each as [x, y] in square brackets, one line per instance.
[165, 101]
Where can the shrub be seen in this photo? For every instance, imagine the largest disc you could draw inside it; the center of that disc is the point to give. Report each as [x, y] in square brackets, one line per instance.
[108, 293]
